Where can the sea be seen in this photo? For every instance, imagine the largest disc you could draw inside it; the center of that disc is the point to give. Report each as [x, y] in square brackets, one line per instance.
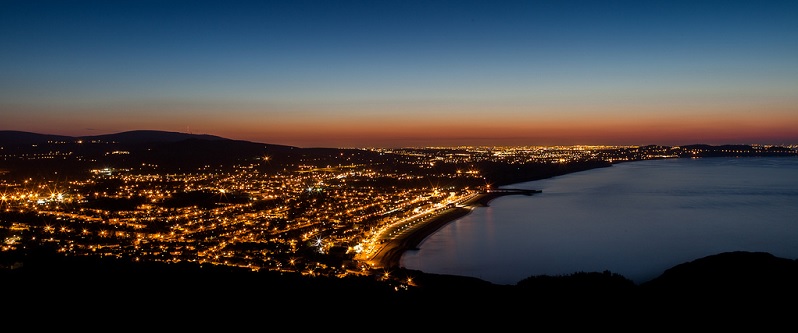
[636, 219]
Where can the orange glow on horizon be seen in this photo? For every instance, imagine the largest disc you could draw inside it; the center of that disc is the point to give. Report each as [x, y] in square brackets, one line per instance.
[654, 124]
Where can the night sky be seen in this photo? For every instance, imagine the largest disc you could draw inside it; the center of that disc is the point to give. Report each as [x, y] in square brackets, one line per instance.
[405, 73]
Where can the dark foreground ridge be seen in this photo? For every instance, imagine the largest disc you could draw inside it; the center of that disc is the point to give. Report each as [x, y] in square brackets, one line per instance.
[51, 284]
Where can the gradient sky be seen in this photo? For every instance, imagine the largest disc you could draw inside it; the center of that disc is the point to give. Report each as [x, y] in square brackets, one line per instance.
[405, 73]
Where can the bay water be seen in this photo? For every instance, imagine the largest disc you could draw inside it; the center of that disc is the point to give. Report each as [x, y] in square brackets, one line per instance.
[636, 219]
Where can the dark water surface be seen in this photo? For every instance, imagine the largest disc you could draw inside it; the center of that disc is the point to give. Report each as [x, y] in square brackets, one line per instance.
[636, 219]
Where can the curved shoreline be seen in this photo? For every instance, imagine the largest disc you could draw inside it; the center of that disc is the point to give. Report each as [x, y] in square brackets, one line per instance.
[389, 257]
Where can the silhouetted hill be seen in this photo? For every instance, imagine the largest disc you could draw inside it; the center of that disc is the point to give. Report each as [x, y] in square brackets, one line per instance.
[13, 139]
[731, 290]
[17, 138]
[38, 155]
[31, 154]
[741, 282]
[193, 153]
[730, 273]
[150, 136]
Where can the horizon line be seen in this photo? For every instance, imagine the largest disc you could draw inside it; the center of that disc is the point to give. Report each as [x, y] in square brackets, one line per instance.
[790, 145]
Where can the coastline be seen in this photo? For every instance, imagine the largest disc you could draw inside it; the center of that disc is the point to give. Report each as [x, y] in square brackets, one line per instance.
[390, 254]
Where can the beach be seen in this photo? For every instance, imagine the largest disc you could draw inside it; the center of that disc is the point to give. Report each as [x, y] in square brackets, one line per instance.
[390, 253]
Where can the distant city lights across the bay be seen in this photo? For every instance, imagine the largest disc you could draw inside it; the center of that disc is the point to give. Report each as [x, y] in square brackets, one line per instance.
[406, 73]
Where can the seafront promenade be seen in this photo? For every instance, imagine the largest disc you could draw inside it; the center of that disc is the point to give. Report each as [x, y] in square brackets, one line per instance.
[388, 254]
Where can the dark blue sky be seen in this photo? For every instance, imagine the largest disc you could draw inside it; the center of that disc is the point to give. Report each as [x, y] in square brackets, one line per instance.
[395, 73]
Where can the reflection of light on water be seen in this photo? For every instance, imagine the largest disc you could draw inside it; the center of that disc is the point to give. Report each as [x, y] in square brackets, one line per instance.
[636, 219]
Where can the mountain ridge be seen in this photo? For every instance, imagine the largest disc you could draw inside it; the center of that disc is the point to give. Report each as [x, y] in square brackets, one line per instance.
[10, 137]
[33, 154]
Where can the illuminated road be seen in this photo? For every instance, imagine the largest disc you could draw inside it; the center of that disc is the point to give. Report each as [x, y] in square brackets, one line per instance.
[383, 246]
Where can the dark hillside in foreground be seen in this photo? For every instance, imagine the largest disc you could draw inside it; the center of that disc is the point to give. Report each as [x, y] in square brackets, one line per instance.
[741, 274]
[46, 282]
